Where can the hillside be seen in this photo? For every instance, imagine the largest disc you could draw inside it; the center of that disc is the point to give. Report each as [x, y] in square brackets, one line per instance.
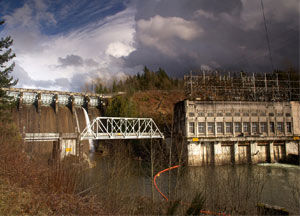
[157, 104]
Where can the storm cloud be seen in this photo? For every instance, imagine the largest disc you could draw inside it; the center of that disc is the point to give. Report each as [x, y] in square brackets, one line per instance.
[227, 35]
[63, 46]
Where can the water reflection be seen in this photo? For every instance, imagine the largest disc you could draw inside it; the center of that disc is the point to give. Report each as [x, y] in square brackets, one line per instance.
[236, 189]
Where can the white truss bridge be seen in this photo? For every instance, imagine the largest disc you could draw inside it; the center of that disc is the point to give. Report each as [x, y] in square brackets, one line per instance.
[103, 128]
[106, 128]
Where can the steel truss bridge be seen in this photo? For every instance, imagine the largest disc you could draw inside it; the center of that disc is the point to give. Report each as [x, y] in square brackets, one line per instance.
[107, 128]
[102, 128]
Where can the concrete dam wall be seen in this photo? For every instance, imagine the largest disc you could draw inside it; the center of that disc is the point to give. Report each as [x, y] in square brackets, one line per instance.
[29, 120]
[44, 112]
[46, 120]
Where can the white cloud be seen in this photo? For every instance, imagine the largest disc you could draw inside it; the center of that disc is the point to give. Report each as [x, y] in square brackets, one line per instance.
[169, 27]
[159, 32]
[74, 57]
[119, 49]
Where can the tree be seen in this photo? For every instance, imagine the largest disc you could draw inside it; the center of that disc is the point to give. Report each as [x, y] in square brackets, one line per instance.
[120, 106]
[6, 80]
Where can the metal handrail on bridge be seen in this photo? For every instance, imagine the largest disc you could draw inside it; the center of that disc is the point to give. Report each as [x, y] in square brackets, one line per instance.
[121, 128]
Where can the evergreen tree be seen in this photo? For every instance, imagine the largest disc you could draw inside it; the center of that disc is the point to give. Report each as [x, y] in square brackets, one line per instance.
[114, 86]
[147, 80]
[6, 80]
[121, 106]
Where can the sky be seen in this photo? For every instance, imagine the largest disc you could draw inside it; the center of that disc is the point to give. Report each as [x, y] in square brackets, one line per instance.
[64, 45]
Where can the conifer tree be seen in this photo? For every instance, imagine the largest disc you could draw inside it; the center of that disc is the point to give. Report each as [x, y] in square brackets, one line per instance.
[6, 80]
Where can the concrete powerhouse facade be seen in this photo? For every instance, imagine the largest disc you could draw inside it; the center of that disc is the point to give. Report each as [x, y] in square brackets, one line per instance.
[234, 132]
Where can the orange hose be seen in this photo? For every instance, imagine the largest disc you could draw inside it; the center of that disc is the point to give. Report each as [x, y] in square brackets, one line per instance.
[166, 198]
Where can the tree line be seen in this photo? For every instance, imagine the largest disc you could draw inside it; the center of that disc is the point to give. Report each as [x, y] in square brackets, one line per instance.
[147, 80]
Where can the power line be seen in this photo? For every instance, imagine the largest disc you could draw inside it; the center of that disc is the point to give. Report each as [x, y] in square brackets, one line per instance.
[267, 35]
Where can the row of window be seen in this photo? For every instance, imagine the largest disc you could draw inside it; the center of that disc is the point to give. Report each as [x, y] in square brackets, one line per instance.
[245, 127]
[202, 114]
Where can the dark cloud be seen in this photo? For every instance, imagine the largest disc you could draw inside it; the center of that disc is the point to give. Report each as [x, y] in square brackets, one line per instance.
[91, 63]
[232, 35]
[70, 60]
[177, 35]
[184, 9]
[76, 61]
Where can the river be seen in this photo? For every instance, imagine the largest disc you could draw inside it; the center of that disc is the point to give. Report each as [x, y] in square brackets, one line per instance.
[224, 187]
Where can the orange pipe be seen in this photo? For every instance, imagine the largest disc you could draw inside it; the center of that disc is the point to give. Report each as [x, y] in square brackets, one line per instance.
[166, 198]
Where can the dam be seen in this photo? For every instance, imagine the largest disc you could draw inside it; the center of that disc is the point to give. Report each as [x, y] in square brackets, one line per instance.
[59, 122]
[60, 115]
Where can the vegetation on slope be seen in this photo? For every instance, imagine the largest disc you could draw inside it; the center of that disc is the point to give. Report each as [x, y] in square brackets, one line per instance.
[148, 80]
[151, 94]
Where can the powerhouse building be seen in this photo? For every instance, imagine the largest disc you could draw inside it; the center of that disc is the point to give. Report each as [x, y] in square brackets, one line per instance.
[234, 132]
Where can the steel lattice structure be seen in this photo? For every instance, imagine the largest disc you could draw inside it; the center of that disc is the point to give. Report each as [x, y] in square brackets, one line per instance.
[214, 85]
[103, 128]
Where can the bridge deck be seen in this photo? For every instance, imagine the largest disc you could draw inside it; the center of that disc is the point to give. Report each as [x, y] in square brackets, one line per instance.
[105, 128]
[121, 128]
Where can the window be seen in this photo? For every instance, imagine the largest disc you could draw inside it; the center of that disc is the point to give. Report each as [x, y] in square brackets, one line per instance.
[228, 127]
[289, 127]
[228, 114]
[192, 127]
[191, 114]
[237, 114]
[263, 127]
[246, 126]
[288, 114]
[210, 114]
[245, 114]
[272, 127]
[210, 127]
[201, 114]
[219, 114]
[237, 127]
[271, 114]
[263, 114]
[254, 127]
[279, 114]
[280, 127]
[201, 127]
[254, 114]
[220, 128]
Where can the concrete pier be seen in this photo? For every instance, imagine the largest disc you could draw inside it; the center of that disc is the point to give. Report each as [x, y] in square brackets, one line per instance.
[236, 153]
